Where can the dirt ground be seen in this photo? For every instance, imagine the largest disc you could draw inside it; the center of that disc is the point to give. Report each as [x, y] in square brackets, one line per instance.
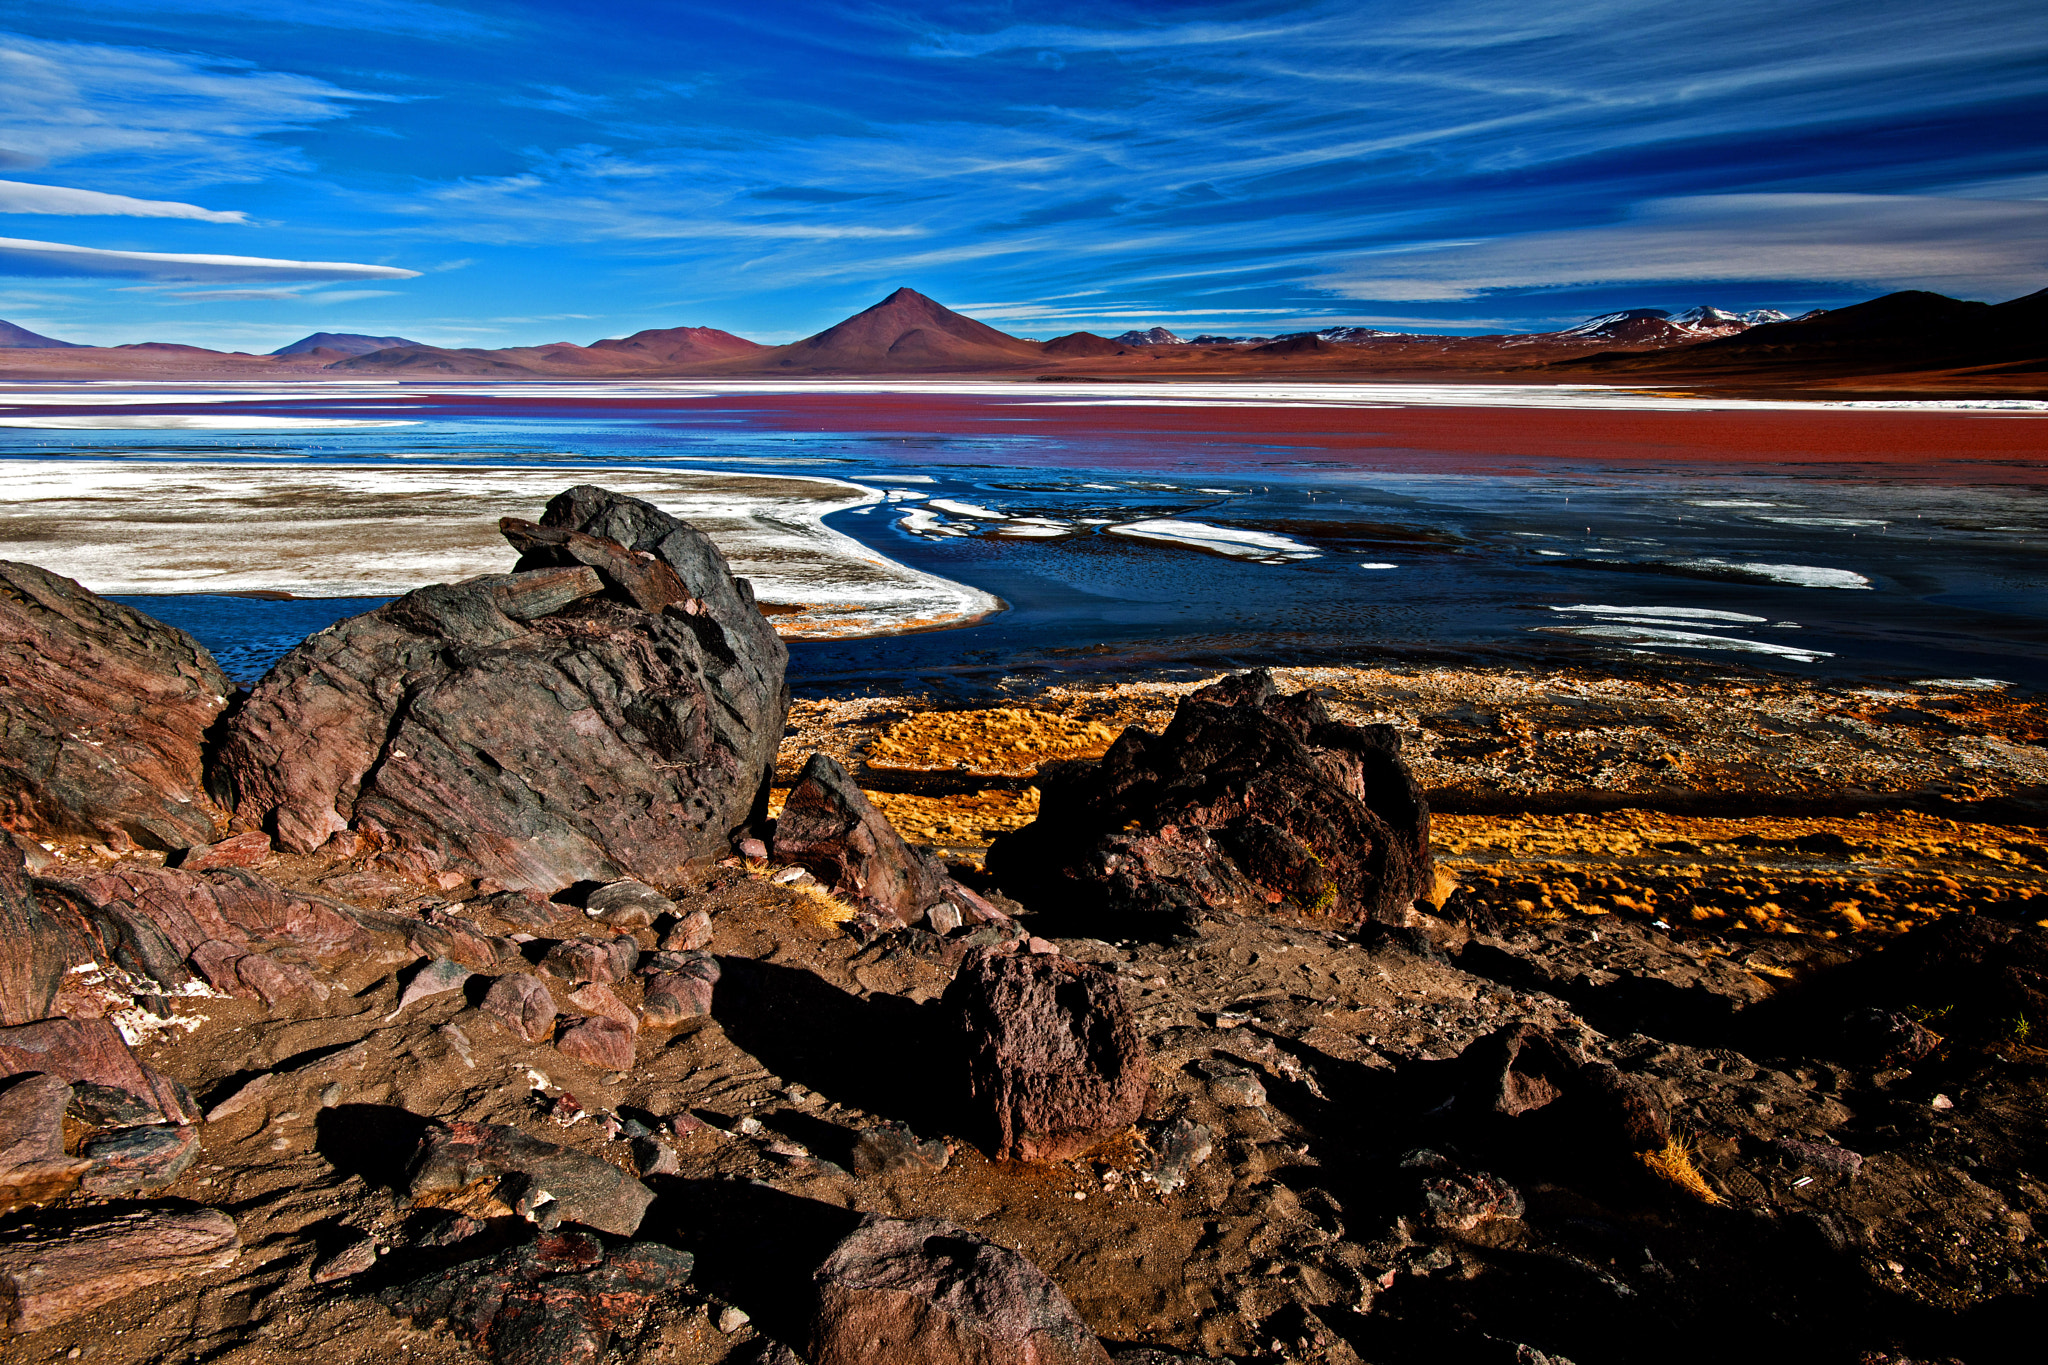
[1637, 864]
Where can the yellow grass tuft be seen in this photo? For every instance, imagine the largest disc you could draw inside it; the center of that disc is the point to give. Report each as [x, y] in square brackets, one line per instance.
[1673, 1163]
[819, 908]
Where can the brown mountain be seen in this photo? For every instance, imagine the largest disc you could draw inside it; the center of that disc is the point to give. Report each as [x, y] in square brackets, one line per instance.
[905, 331]
[1910, 331]
[1081, 344]
[679, 345]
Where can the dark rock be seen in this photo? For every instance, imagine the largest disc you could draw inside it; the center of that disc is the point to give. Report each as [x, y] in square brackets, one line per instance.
[1250, 803]
[892, 1149]
[103, 714]
[599, 1042]
[52, 1273]
[522, 1004]
[1885, 1038]
[1231, 1086]
[606, 740]
[93, 1050]
[485, 1170]
[1452, 1199]
[102, 1106]
[541, 592]
[653, 1157]
[1513, 1070]
[34, 1168]
[918, 1289]
[1610, 1106]
[1055, 1062]
[138, 1159]
[525, 909]
[1822, 1156]
[831, 829]
[237, 850]
[1987, 979]
[559, 1298]
[449, 935]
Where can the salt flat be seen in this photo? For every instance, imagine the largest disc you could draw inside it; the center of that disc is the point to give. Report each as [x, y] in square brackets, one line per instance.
[333, 530]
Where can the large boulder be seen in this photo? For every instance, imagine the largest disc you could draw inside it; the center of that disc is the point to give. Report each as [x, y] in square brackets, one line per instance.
[1250, 803]
[103, 714]
[487, 1170]
[919, 1289]
[610, 708]
[1055, 1062]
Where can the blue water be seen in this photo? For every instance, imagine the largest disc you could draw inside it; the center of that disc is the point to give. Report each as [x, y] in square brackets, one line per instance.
[1480, 566]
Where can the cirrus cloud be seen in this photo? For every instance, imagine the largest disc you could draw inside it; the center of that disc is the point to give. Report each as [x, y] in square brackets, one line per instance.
[56, 260]
[19, 197]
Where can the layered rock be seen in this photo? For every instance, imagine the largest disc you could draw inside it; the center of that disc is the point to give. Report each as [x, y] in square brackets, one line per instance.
[830, 828]
[920, 1289]
[51, 1274]
[1250, 803]
[103, 714]
[491, 1171]
[35, 947]
[610, 708]
[1055, 1062]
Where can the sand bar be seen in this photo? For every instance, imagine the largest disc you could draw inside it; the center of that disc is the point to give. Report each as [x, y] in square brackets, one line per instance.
[375, 530]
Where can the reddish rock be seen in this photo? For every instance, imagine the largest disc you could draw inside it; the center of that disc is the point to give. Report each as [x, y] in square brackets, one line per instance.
[1055, 1062]
[602, 741]
[92, 1050]
[1513, 1070]
[237, 850]
[1251, 803]
[37, 944]
[276, 981]
[829, 827]
[53, 1272]
[605, 1044]
[919, 1289]
[599, 1001]
[103, 714]
[33, 1166]
[487, 1170]
[679, 988]
[592, 959]
[522, 1004]
[692, 931]
[557, 1299]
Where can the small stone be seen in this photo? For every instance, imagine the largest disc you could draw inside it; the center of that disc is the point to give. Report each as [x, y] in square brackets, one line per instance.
[753, 850]
[599, 1000]
[891, 1148]
[351, 1258]
[330, 1095]
[655, 1158]
[598, 1042]
[690, 932]
[438, 977]
[237, 850]
[1181, 1146]
[136, 1159]
[627, 905]
[522, 1005]
[465, 1167]
[731, 1319]
[33, 1166]
[1232, 1087]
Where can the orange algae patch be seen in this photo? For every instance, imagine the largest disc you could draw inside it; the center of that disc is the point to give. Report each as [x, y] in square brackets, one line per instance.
[1004, 742]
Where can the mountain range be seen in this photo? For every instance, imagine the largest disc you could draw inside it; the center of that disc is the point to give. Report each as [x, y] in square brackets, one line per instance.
[1943, 341]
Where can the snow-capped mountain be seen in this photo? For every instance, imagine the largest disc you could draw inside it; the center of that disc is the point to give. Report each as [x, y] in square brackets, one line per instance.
[1353, 333]
[1152, 336]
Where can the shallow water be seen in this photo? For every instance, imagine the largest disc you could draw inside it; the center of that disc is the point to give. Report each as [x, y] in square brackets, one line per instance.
[1226, 546]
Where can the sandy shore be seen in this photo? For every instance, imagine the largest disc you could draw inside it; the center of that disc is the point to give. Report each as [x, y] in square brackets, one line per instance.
[369, 531]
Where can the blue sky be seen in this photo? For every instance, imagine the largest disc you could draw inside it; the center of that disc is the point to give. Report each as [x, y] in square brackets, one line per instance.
[237, 173]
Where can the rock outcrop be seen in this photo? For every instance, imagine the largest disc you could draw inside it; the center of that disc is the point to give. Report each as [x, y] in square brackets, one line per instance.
[491, 1171]
[35, 947]
[103, 713]
[1055, 1062]
[903, 1289]
[830, 828]
[1250, 803]
[610, 708]
[53, 1273]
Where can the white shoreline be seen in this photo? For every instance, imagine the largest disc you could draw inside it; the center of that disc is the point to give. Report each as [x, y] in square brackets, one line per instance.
[335, 530]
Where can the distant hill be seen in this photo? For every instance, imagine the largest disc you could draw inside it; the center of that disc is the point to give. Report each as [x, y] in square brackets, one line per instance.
[1081, 344]
[679, 345]
[1150, 336]
[905, 331]
[22, 339]
[347, 343]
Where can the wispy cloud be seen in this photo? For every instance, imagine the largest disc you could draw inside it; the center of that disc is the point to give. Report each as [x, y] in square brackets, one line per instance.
[57, 260]
[19, 197]
[1978, 246]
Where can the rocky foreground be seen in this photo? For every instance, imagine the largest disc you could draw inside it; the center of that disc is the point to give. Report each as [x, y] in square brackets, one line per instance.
[514, 975]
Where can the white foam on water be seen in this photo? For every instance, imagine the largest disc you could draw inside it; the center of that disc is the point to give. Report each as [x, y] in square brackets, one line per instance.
[1684, 639]
[1825, 521]
[1379, 566]
[1017, 530]
[200, 422]
[906, 495]
[1239, 544]
[1966, 684]
[1220, 492]
[1795, 575]
[966, 509]
[378, 530]
[1733, 502]
[1696, 614]
[920, 522]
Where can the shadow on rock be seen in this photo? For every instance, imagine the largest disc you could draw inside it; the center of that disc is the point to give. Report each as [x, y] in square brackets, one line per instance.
[880, 1054]
[374, 1141]
[755, 1246]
